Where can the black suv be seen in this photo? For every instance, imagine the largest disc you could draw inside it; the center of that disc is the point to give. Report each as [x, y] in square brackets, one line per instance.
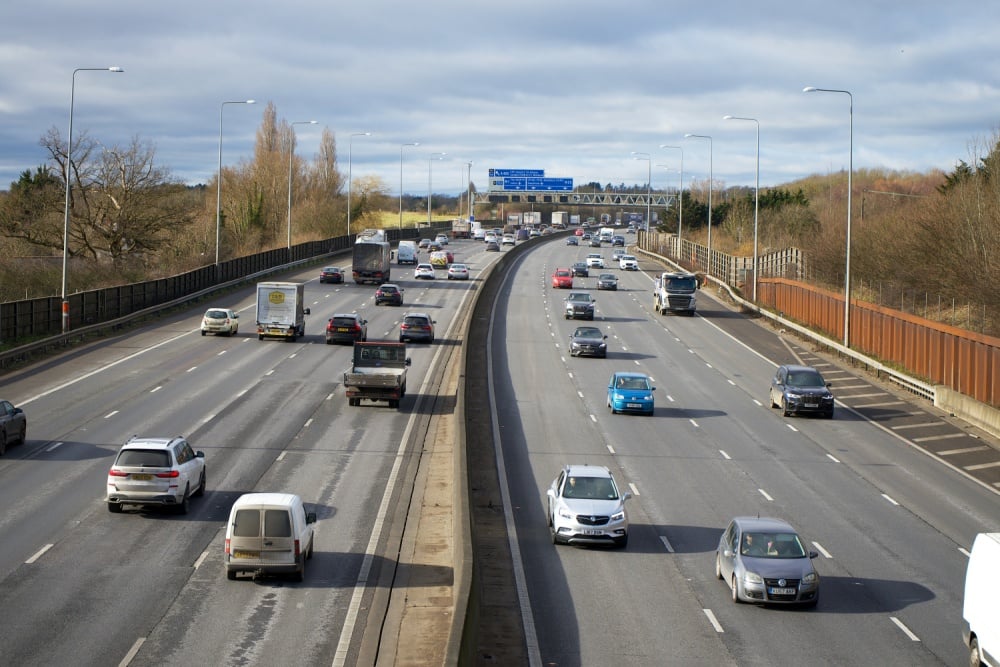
[346, 328]
[580, 305]
[390, 294]
[581, 269]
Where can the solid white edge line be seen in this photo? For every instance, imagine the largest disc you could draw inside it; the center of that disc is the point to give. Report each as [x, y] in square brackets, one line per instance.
[666, 543]
[520, 580]
[361, 584]
[201, 559]
[906, 630]
[281, 456]
[38, 554]
[711, 619]
[132, 652]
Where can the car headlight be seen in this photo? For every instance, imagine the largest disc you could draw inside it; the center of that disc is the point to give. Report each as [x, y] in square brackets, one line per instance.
[752, 578]
[618, 516]
[602, 346]
[647, 397]
[810, 578]
[617, 397]
[565, 513]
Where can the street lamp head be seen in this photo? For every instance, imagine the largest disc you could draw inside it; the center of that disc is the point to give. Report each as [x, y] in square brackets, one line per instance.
[115, 69]
[728, 117]
[250, 102]
[810, 89]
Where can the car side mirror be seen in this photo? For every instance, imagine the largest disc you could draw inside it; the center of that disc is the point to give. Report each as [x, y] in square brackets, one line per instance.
[364, 321]
[652, 388]
[199, 455]
[626, 496]
[727, 553]
[407, 361]
[605, 338]
[813, 554]
[551, 493]
[305, 311]
[236, 316]
[310, 517]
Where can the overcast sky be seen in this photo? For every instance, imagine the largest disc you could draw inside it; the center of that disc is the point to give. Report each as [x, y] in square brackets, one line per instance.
[568, 86]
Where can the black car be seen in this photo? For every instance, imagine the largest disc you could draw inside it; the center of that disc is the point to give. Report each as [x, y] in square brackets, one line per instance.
[346, 328]
[390, 294]
[580, 305]
[800, 390]
[13, 426]
[581, 269]
[608, 281]
[331, 274]
[588, 341]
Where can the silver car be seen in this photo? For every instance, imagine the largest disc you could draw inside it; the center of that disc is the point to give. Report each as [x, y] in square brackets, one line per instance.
[156, 471]
[585, 507]
[220, 321]
[764, 561]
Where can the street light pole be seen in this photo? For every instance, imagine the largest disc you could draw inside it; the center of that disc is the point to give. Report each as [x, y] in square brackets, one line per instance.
[218, 191]
[649, 180]
[711, 186]
[402, 146]
[756, 197]
[680, 196]
[67, 173]
[850, 174]
[434, 156]
[350, 160]
[291, 154]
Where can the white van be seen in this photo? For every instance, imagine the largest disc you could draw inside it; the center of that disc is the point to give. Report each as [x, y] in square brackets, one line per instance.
[268, 533]
[406, 253]
[981, 620]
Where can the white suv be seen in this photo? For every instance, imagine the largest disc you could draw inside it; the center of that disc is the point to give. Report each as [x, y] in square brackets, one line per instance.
[156, 471]
[585, 507]
[628, 263]
[595, 261]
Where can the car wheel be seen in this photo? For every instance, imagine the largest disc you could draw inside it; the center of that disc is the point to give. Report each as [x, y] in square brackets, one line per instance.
[260, 337]
[393, 403]
[829, 415]
[184, 506]
[3, 442]
[231, 575]
[300, 575]
[24, 435]
[402, 390]
[115, 508]
[784, 407]
[622, 542]
[200, 491]
[718, 565]
[202, 332]
[735, 591]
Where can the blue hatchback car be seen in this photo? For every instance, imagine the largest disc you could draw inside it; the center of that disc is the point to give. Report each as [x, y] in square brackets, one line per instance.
[630, 392]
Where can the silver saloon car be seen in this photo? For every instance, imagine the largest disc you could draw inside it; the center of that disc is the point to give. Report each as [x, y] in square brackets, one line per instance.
[764, 561]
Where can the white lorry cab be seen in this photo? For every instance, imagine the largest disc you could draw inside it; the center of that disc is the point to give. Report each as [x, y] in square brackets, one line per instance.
[980, 615]
[268, 533]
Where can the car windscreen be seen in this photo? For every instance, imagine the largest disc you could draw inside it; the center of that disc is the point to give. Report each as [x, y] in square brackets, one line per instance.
[590, 488]
[682, 283]
[144, 458]
[772, 545]
[587, 332]
[806, 379]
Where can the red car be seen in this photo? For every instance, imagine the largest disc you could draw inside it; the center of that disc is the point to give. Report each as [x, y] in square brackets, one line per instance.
[579, 231]
[562, 279]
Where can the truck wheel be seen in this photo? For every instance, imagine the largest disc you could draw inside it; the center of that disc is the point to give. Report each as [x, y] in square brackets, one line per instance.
[393, 403]
[260, 336]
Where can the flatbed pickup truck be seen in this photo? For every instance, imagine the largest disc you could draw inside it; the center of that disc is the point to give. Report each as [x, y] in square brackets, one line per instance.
[378, 373]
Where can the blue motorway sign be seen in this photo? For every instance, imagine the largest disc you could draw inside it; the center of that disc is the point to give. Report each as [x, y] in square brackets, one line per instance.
[517, 173]
[546, 185]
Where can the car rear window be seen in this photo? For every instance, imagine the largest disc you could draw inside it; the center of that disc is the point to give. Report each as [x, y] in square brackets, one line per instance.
[343, 321]
[151, 458]
[217, 314]
[387, 290]
[246, 523]
[422, 321]
[277, 523]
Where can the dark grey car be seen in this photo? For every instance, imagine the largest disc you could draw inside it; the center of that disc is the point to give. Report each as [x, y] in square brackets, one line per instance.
[13, 426]
[764, 560]
[588, 341]
[580, 305]
[800, 390]
[607, 281]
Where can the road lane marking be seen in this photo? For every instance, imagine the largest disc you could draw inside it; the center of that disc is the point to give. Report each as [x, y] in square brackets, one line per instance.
[711, 619]
[819, 548]
[190, 369]
[38, 554]
[983, 466]
[906, 630]
[964, 450]
[635, 489]
[111, 414]
[308, 422]
[965, 552]
[947, 436]
[132, 652]
[833, 458]
[765, 494]
[221, 353]
[693, 423]
[580, 394]
[54, 447]
[725, 455]
[155, 389]
[281, 456]
[666, 543]
[792, 428]
[890, 500]
[610, 449]
[201, 559]
[208, 418]
[593, 419]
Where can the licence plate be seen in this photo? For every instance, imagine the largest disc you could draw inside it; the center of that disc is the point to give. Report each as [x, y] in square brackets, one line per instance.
[633, 405]
[342, 329]
[246, 554]
[781, 591]
[592, 532]
[141, 477]
[812, 405]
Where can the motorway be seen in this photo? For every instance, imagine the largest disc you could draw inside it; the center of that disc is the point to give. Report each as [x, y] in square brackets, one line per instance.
[891, 524]
[82, 586]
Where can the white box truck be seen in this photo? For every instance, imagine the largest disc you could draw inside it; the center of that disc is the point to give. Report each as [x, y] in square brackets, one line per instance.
[280, 310]
[980, 613]
[559, 219]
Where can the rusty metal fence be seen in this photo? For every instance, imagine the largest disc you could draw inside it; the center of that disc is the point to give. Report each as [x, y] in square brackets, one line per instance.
[965, 361]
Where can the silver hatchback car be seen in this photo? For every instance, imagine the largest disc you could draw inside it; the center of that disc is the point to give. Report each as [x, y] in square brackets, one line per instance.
[156, 471]
[764, 561]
